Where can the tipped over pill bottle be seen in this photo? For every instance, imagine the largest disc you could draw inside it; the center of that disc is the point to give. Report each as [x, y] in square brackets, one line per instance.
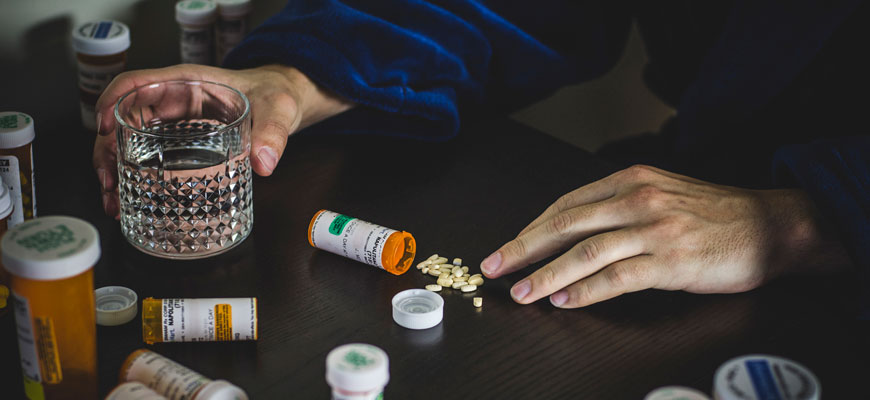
[133, 391]
[101, 54]
[175, 381]
[16, 163]
[375, 245]
[50, 261]
[357, 371]
[199, 320]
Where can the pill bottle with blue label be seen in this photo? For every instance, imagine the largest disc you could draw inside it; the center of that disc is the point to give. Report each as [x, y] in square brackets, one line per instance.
[375, 245]
[762, 377]
[101, 54]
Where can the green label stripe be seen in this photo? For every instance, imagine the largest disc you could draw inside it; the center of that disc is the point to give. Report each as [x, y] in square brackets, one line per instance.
[338, 224]
[8, 122]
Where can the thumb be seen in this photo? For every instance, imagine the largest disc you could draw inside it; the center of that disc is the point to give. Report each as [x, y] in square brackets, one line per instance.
[275, 117]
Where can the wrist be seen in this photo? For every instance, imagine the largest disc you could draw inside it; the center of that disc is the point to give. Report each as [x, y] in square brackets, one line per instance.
[313, 102]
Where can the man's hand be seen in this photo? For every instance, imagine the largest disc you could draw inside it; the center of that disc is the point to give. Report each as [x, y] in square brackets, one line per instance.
[283, 100]
[646, 228]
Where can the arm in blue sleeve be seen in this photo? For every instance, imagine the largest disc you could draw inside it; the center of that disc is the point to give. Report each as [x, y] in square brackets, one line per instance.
[836, 175]
[413, 64]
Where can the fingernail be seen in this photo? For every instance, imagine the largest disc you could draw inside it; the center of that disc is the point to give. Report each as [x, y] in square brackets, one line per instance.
[268, 158]
[99, 120]
[520, 290]
[491, 263]
[559, 298]
[101, 173]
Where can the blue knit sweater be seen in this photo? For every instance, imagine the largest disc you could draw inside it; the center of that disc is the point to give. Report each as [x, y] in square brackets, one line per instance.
[759, 85]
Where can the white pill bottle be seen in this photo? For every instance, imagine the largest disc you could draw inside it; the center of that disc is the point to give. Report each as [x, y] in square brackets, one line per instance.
[357, 371]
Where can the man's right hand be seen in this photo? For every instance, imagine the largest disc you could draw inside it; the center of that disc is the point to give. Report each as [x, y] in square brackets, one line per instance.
[283, 100]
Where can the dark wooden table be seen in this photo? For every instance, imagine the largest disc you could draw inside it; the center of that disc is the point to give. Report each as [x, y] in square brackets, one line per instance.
[463, 198]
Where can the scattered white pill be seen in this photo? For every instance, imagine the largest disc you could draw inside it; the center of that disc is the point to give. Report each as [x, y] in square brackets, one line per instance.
[457, 262]
[425, 270]
[432, 257]
[445, 282]
[433, 288]
[468, 288]
[423, 264]
[478, 301]
[457, 272]
[434, 272]
[475, 280]
[463, 278]
[440, 260]
[459, 284]
[465, 269]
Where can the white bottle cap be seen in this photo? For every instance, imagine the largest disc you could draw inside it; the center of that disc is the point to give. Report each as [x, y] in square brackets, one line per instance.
[357, 367]
[220, 390]
[5, 200]
[761, 376]
[116, 305]
[234, 8]
[101, 38]
[195, 12]
[676, 393]
[417, 309]
[16, 129]
[50, 248]
[133, 391]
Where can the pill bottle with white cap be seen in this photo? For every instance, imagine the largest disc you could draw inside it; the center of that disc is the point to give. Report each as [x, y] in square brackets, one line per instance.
[175, 381]
[50, 261]
[357, 371]
[232, 25]
[196, 19]
[384, 248]
[676, 393]
[133, 391]
[5, 211]
[199, 320]
[759, 377]
[101, 54]
[16, 163]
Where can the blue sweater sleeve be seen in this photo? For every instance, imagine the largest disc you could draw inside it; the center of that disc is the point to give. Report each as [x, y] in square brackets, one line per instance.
[836, 175]
[413, 64]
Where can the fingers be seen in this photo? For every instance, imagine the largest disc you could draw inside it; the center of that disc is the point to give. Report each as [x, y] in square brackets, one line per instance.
[594, 192]
[581, 261]
[630, 275]
[275, 116]
[558, 232]
[105, 164]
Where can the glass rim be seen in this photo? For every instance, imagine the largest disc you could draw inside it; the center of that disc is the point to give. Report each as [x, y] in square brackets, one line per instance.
[235, 123]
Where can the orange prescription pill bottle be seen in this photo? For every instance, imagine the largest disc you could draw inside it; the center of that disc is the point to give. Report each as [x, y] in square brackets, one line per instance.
[16, 163]
[101, 54]
[375, 245]
[133, 391]
[175, 381]
[50, 261]
[199, 320]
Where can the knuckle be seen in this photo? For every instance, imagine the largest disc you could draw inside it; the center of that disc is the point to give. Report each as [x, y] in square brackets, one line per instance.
[583, 296]
[562, 203]
[649, 196]
[638, 172]
[546, 277]
[516, 248]
[588, 251]
[561, 223]
[618, 276]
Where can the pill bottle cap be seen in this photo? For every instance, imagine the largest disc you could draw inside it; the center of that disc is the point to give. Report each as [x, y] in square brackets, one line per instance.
[16, 129]
[195, 12]
[221, 390]
[50, 248]
[116, 305]
[760, 376]
[234, 8]
[101, 38]
[417, 309]
[5, 200]
[357, 367]
[133, 391]
[676, 393]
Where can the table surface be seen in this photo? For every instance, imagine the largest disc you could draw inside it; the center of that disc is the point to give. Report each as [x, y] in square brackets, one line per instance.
[463, 198]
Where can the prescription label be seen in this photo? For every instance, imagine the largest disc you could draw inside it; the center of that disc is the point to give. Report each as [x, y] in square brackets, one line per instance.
[164, 376]
[46, 347]
[12, 176]
[94, 78]
[350, 237]
[209, 320]
[26, 342]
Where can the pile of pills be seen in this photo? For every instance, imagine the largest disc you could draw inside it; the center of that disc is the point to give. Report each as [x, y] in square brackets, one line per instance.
[453, 276]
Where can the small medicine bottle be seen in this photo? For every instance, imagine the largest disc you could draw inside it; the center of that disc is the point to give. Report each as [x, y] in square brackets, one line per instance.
[175, 381]
[357, 371]
[16, 164]
[375, 245]
[133, 391]
[199, 320]
[50, 261]
[232, 25]
[5, 211]
[101, 54]
[196, 20]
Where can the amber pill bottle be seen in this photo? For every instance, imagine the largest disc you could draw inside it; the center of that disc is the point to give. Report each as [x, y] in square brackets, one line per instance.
[50, 263]
[101, 54]
[16, 163]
